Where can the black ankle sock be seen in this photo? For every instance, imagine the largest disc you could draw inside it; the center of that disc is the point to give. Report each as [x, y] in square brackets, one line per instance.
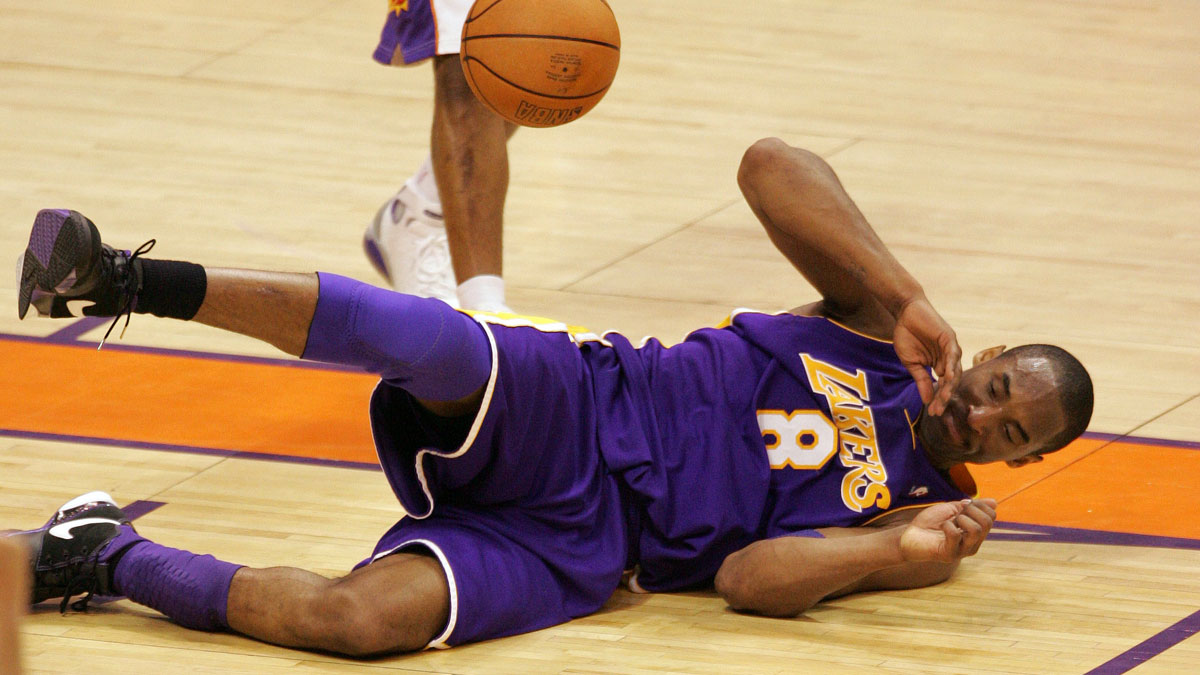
[171, 288]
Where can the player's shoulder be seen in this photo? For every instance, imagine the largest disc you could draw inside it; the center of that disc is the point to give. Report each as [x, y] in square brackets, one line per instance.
[811, 320]
[869, 322]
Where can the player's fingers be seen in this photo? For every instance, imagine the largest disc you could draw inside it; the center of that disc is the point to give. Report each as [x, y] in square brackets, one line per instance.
[924, 382]
[978, 516]
[952, 357]
[976, 524]
[953, 537]
[971, 528]
[948, 367]
[941, 397]
[988, 506]
[946, 383]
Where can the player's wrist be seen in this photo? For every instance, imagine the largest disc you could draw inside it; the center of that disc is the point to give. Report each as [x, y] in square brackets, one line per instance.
[902, 295]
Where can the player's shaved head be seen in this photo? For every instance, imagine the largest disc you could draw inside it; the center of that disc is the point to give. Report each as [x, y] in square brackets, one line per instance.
[1073, 385]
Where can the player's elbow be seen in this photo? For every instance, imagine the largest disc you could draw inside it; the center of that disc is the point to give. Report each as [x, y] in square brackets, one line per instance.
[759, 158]
[769, 157]
[729, 586]
[745, 592]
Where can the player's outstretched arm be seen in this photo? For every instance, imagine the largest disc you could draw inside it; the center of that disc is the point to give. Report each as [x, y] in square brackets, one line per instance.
[811, 219]
[788, 575]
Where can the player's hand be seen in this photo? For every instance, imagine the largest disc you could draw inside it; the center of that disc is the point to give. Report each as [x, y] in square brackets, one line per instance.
[923, 339]
[949, 531]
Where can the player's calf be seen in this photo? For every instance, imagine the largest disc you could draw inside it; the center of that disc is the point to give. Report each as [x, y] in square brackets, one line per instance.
[397, 604]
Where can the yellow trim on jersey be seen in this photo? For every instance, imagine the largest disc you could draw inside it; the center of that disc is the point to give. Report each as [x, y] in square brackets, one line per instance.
[912, 428]
[742, 310]
[851, 330]
[578, 334]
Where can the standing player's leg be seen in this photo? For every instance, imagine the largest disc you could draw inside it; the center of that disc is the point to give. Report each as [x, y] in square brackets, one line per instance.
[14, 595]
[469, 147]
[441, 235]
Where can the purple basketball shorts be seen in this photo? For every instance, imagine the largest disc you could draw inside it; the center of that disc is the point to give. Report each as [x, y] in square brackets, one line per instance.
[523, 516]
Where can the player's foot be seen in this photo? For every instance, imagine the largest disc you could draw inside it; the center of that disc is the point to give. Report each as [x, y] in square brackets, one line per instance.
[66, 271]
[67, 554]
[406, 243]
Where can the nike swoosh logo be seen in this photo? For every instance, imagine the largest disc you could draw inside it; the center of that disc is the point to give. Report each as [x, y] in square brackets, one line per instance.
[76, 307]
[63, 530]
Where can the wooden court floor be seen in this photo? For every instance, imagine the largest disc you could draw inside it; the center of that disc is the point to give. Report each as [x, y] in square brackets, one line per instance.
[1036, 165]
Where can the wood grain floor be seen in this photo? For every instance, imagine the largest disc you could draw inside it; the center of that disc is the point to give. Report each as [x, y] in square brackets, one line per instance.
[1036, 165]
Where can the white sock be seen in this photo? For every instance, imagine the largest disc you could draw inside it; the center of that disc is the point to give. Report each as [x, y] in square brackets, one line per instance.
[484, 293]
[425, 183]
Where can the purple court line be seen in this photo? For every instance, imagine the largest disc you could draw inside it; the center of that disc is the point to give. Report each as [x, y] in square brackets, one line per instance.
[1074, 535]
[72, 332]
[192, 449]
[1151, 647]
[1142, 440]
[140, 508]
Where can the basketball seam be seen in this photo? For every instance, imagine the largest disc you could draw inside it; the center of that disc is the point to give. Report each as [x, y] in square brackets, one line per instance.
[541, 37]
[514, 85]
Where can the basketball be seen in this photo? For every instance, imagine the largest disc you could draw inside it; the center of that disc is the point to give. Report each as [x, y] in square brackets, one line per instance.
[540, 63]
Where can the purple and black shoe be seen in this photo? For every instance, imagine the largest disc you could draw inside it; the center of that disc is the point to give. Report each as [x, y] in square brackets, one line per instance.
[67, 272]
[67, 555]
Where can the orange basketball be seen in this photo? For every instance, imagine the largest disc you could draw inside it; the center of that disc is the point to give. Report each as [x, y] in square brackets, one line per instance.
[540, 63]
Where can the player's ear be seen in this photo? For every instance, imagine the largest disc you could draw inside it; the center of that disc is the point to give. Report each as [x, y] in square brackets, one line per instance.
[1022, 461]
[987, 354]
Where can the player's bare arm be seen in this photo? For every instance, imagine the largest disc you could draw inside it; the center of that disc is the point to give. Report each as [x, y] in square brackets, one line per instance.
[786, 576]
[814, 223]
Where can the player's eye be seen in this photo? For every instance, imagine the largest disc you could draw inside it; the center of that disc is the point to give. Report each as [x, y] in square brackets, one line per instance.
[992, 389]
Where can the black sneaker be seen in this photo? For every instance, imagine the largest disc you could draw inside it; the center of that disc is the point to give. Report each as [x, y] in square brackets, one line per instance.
[64, 554]
[67, 272]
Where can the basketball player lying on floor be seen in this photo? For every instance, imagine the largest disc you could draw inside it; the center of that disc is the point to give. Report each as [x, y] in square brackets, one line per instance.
[786, 458]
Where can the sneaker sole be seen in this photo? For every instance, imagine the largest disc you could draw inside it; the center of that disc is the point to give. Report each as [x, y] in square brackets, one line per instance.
[55, 244]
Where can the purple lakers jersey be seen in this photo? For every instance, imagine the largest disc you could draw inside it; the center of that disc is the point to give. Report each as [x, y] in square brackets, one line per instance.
[772, 426]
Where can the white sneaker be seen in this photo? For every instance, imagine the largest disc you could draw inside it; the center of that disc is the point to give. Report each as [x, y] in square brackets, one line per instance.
[406, 243]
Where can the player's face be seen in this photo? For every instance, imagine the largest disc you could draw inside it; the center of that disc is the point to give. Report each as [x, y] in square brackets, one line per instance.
[1003, 410]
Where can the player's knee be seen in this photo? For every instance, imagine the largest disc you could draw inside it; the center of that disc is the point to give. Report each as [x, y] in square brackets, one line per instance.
[452, 93]
[347, 622]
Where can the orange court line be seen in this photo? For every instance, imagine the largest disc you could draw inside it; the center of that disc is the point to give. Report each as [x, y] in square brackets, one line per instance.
[189, 401]
[205, 402]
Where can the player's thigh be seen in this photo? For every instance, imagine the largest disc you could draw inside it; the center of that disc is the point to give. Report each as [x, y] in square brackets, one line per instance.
[398, 603]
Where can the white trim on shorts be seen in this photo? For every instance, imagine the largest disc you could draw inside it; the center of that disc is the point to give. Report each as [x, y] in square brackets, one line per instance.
[467, 443]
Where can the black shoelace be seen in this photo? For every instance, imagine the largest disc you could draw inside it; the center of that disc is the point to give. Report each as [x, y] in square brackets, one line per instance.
[77, 585]
[130, 296]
